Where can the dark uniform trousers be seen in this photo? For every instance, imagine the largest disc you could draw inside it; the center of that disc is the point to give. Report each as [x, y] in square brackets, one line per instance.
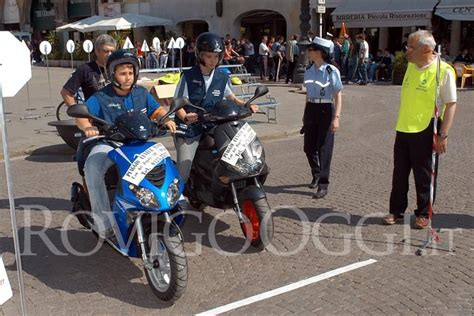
[412, 151]
[319, 140]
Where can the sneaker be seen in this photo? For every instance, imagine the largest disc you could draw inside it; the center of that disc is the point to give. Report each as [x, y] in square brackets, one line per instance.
[421, 222]
[392, 219]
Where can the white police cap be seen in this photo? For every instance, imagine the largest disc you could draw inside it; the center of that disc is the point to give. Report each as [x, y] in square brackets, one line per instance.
[323, 44]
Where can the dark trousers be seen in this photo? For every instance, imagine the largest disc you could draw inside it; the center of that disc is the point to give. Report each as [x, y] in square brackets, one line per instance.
[291, 69]
[319, 140]
[263, 66]
[412, 151]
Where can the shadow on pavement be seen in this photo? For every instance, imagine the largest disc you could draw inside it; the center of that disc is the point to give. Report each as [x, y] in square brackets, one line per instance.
[38, 203]
[208, 233]
[46, 257]
[52, 153]
[329, 216]
[289, 189]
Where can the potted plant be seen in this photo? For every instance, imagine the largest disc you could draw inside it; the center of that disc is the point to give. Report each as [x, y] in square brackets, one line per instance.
[400, 65]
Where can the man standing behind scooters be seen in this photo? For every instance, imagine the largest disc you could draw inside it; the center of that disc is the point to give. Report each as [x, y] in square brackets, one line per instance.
[91, 77]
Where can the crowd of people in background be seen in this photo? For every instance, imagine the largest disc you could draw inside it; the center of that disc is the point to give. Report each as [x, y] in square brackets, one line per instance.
[275, 58]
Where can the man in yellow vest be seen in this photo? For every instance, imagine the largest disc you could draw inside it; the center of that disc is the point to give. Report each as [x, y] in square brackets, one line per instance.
[414, 140]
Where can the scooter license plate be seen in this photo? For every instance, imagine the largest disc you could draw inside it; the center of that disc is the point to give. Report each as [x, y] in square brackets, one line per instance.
[237, 145]
[145, 162]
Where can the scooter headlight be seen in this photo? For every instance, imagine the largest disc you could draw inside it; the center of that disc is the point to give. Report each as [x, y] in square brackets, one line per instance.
[257, 149]
[173, 193]
[146, 197]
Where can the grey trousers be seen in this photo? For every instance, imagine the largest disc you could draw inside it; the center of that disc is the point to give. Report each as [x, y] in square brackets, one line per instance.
[185, 152]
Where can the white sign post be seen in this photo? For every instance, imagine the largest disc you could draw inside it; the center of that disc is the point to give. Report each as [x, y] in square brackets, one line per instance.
[145, 49]
[128, 44]
[71, 46]
[171, 45]
[179, 44]
[45, 49]
[87, 46]
[15, 71]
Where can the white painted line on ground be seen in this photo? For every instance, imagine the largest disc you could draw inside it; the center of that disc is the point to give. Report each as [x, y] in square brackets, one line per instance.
[286, 288]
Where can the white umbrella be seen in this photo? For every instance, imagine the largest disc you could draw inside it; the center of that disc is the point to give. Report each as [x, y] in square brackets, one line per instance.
[126, 21]
[79, 25]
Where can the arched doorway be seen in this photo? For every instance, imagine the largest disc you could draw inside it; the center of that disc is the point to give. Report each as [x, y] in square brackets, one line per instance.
[191, 29]
[255, 24]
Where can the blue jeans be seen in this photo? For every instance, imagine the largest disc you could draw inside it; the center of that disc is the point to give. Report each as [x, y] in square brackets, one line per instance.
[372, 70]
[362, 70]
[96, 166]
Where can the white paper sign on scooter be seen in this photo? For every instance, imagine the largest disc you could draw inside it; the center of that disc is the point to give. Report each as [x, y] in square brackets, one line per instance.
[145, 162]
[236, 147]
[5, 288]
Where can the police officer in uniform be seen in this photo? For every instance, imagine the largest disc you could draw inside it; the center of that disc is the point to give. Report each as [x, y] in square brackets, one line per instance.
[322, 112]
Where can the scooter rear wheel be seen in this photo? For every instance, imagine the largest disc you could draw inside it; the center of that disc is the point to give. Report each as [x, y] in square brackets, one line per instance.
[259, 228]
[168, 275]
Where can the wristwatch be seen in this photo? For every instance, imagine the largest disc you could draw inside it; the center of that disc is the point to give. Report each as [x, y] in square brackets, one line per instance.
[443, 136]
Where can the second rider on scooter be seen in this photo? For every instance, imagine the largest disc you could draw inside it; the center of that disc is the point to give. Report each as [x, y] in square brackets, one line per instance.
[205, 86]
[117, 98]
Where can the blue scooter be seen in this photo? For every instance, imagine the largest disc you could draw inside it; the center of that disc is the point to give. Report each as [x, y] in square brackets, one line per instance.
[144, 187]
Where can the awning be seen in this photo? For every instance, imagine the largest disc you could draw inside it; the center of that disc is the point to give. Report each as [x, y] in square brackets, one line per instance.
[384, 13]
[124, 21]
[458, 10]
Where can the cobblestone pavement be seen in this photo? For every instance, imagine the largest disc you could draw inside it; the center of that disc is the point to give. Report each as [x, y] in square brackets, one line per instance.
[325, 236]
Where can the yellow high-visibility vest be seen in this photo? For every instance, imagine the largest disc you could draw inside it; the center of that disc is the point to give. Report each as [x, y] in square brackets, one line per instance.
[417, 98]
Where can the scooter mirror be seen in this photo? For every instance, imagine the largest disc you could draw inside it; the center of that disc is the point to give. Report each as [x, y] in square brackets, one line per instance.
[259, 92]
[79, 111]
[178, 104]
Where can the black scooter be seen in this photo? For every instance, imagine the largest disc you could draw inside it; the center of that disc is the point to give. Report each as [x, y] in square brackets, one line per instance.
[229, 169]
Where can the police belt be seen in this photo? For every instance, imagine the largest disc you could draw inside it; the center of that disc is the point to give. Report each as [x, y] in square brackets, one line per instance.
[317, 100]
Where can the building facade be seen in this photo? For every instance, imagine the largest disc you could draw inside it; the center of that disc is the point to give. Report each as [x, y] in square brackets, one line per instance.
[384, 21]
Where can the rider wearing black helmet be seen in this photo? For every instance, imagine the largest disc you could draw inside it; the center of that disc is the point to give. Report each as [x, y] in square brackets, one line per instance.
[119, 58]
[205, 85]
[120, 96]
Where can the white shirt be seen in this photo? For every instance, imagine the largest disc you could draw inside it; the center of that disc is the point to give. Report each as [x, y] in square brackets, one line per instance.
[448, 85]
[263, 49]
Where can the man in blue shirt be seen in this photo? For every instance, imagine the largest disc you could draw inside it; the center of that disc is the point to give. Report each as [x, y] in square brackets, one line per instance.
[119, 97]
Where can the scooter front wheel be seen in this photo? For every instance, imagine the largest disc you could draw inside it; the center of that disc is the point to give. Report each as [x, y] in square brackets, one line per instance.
[258, 225]
[167, 270]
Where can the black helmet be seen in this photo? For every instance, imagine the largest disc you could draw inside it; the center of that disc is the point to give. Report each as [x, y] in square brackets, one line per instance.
[209, 42]
[120, 57]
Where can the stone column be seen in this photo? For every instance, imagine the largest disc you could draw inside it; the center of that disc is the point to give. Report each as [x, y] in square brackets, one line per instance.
[383, 38]
[303, 43]
[454, 45]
